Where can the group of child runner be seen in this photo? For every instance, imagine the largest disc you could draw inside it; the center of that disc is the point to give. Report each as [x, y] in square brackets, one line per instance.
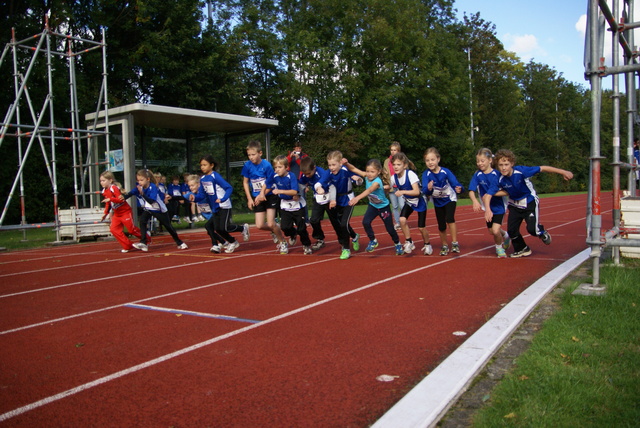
[394, 191]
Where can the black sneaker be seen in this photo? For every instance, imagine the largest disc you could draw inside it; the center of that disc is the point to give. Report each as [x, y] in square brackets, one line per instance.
[546, 238]
[525, 252]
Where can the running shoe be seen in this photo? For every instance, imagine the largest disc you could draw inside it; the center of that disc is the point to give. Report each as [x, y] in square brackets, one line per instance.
[187, 220]
[284, 249]
[124, 251]
[201, 218]
[397, 226]
[444, 250]
[525, 252]
[182, 246]
[245, 232]
[232, 247]
[506, 243]
[356, 242]
[345, 254]
[215, 249]
[307, 250]
[500, 252]
[409, 246]
[274, 237]
[546, 238]
[455, 247]
[427, 250]
[399, 250]
[319, 244]
[175, 219]
[292, 240]
[140, 246]
[372, 246]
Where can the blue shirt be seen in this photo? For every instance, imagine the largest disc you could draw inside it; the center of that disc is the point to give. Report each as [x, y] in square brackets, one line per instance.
[211, 185]
[418, 203]
[150, 199]
[377, 198]
[485, 184]
[518, 185]
[286, 182]
[444, 186]
[343, 184]
[257, 175]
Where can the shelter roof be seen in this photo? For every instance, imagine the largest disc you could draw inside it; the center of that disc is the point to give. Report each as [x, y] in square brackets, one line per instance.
[157, 116]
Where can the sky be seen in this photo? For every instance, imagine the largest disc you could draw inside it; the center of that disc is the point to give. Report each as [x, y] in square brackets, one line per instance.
[546, 31]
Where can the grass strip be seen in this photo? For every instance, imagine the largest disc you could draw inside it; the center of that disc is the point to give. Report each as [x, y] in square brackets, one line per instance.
[583, 367]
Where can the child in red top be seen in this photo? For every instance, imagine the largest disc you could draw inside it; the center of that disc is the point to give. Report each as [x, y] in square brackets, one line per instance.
[122, 216]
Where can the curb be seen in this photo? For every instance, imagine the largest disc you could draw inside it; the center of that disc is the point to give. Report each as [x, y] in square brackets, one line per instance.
[430, 399]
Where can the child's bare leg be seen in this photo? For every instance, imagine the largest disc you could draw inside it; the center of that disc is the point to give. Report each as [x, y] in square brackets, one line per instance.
[261, 221]
[425, 235]
[405, 228]
[497, 233]
[443, 237]
[273, 226]
[453, 229]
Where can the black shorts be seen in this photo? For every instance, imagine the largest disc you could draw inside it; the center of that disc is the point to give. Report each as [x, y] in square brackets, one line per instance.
[496, 219]
[271, 203]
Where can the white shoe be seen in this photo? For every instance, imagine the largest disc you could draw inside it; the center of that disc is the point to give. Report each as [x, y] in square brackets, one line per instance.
[427, 250]
[245, 232]
[124, 251]
[215, 249]
[201, 218]
[292, 241]
[232, 247]
[283, 248]
[307, 250]
[182, 246]
[141, 246]
[408, 247]
[275, 238]
[187, 219]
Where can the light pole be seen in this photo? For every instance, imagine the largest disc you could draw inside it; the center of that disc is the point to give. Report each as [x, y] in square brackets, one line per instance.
[557, 134]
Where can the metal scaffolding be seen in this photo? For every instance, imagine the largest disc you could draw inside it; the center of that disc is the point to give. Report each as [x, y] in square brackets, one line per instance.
[619, 23]
[23, 124]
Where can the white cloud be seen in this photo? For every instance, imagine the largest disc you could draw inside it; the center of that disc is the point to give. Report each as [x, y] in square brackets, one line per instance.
[525, 46]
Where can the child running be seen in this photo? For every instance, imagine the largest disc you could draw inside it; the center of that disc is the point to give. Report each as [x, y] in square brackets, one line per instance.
[341, 211]
[121, 213]
[408, 185]
[255, 172]
[317, 178]
[485, 183]
[293, 221]
[150, 200]
[440, 183]
[218, 191]
[217, 242]
[523, 199]
[375, 179]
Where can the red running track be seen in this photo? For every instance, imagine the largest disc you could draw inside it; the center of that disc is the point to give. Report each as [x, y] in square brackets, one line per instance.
[93, 337]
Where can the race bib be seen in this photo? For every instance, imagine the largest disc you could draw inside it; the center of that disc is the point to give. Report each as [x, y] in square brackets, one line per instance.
[521, 203]
[441, 192]
[322, 199]
[257, 184]
[412, 201]
[289, 205]
[208, 188]
[176, 192]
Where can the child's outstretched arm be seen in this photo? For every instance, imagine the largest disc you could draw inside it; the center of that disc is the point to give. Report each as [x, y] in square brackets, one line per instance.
[567, 175]
[352, 168]
[364, 194]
